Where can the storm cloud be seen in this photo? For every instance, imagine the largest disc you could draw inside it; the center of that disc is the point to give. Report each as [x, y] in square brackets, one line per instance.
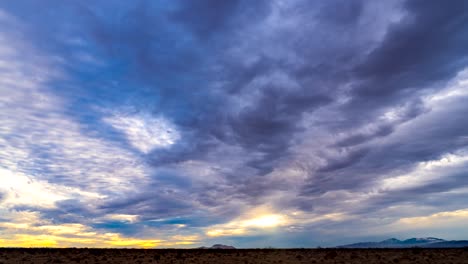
[193, 121]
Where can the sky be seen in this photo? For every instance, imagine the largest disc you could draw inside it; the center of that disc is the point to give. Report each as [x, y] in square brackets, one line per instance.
[276, 123]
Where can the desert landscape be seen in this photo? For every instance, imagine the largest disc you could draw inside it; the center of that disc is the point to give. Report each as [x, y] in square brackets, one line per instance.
[244, 256]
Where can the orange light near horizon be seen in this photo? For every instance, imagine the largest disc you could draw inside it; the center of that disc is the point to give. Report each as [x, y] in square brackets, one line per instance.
[265, 221]
[244, 226]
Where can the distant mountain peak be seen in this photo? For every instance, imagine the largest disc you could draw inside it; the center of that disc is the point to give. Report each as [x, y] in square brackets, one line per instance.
[221, 246]
[218, 246]
[429, 242]
[391, 240]
[423, 240]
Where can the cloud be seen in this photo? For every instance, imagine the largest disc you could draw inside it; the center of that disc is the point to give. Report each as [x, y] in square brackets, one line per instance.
[144, 131]
[436, 219]
[167, 119]
[248, 225]
[22, 190]
[424, 48]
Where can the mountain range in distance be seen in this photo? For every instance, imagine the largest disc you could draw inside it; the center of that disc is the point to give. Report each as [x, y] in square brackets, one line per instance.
[426, 242]
[218, 246]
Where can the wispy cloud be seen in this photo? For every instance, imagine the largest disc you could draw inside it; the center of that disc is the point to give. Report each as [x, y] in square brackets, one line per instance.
[144, 131]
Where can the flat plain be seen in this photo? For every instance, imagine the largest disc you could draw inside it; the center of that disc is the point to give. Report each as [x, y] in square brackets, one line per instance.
[244, 256]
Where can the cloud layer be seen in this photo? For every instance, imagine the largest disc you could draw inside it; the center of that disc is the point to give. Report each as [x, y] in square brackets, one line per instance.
[173, 123]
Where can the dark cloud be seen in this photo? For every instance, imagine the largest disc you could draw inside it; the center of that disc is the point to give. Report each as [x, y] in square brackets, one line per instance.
[338, 90]
[165, 204]
[209, 17]
[424, 48]
[400, 155]
[356, 139]
[349, 160]
[407, 112]
[206, 17]
[342, 12]
[66, 211]
[427, 46]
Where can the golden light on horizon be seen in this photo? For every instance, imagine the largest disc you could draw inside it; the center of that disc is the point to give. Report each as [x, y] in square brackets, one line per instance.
[265, 221]
[243, 226]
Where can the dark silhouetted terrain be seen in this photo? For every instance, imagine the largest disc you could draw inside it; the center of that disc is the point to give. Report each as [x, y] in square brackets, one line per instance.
[426, 242]
[244, 256]
[218, 246]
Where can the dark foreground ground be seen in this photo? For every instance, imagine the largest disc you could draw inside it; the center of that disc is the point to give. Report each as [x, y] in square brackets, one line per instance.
[196, 256]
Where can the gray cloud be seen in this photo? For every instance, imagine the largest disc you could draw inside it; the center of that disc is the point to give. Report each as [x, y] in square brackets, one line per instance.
[337, 92]
[427, 46]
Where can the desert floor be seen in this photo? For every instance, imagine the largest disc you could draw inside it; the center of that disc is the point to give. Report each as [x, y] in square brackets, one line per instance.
[195, 256]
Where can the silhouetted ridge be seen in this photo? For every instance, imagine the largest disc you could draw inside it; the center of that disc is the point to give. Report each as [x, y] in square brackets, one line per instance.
[218, 246]
[426, 242]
